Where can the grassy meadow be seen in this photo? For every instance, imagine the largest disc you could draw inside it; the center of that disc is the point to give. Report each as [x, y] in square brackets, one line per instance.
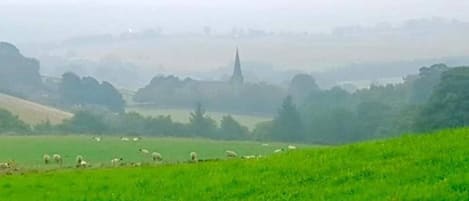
[414, 167]
[30, 112]
[27, 151]
[182, 115]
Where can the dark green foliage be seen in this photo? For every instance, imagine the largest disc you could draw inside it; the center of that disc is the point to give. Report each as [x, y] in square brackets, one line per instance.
[10, 123]
[301, 86]
[85, 122]
[288, 125]
[171, 91]
[428, 78]
[230, 129]
[448, 106]
[200, 124]
[19, 75]
[89, 92]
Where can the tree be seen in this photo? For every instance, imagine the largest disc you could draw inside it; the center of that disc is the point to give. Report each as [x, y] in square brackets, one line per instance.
[200, 124]
[428, 78]
[89, 92]
[85, 122]
[230, 129]
[11, 123]
[301, 86]
[288, 125]
[448, 106]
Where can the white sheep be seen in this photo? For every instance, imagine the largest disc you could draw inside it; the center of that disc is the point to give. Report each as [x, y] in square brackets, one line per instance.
[5, 165]
[265, 145]
[249, 157]
[194, 156]
[46, 158]
[156, 156]
[125, 139]
[83, 164]
[135, 139]
[97, 139]
[278, 150]
[291, 147]
[79, 159]
[57, 158]
[145, 151]
[116, 161]
[231, 154]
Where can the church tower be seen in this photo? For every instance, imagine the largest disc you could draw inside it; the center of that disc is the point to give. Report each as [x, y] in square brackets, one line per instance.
[237, 77]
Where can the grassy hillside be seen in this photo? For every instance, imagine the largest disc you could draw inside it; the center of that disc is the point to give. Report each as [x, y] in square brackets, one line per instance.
[31, 112]
[182, 115]
[424, 167]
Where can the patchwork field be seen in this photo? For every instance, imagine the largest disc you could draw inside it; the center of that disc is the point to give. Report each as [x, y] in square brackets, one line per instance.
[421, 167]
[182, 115]
[30, 112]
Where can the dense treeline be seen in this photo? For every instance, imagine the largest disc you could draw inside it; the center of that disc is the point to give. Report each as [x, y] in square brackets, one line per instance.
[438, 97]
[170, 91]
[102, 122]
[19, 76]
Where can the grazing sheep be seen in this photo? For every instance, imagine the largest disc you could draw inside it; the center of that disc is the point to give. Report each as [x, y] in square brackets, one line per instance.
[58, 159]
[83, 164]
[97, 139]
[194, 156]
[231, 154]
[125, 139]
[135, 139]
[291, 147]
[156, 156]
[79, 159]
[249, 157]
[116, 161]
[145, 151]
[5, 166]
[265, 145]
[278, 150]
[46, 158]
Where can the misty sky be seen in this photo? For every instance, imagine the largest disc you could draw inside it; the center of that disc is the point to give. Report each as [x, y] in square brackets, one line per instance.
[47, 17]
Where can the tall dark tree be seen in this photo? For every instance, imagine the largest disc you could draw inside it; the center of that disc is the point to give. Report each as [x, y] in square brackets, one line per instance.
[449, 104]
[288, 125]
[200, 124]
[231, 129]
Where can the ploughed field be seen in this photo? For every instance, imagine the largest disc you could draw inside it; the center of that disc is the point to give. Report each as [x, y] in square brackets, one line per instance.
[413, 167]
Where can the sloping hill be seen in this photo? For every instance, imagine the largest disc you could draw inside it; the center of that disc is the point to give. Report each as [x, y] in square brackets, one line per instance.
[423, 167]
[30, 112]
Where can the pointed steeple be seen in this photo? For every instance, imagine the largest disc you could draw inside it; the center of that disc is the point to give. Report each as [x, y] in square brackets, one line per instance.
[237, 77]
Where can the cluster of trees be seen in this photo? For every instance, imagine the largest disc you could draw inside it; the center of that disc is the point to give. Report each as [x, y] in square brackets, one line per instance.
[171, 91]
[88, 91]
[109, 123]
[19, 75]
[436, 98]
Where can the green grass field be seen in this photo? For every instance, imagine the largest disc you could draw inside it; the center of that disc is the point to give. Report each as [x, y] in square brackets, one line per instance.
[182, 115]
[27, 151]
[421, 168]
[30, 112]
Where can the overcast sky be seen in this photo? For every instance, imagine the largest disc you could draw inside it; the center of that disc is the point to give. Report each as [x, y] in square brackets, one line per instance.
[222, 15]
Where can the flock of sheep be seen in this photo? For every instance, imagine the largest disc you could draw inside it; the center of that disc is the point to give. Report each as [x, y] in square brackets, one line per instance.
[155, 156]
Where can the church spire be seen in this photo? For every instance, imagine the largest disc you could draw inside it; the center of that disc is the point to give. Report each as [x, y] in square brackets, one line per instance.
[237, 77]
